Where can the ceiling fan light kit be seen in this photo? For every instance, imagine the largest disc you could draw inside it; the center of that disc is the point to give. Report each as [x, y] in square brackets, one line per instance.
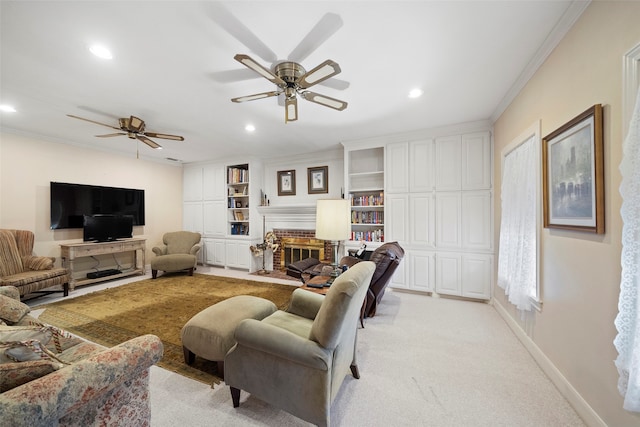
[291, 79]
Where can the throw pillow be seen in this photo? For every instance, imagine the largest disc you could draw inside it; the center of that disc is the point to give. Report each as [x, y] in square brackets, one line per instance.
[15, 374]
[37, 262]
[11, 310]
[11, 338]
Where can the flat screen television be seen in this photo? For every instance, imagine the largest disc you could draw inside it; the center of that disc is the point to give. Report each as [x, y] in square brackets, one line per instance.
[71, 202]
[107, 228]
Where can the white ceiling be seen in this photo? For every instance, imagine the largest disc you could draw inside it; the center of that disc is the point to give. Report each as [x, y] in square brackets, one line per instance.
[173, 67]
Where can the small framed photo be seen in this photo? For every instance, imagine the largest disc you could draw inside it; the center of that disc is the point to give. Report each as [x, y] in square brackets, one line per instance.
[318, 179]
[573, 174]
[287, 183]
[238, 204]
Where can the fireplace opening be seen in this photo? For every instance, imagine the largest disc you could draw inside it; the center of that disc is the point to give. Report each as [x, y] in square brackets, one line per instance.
[295, 249]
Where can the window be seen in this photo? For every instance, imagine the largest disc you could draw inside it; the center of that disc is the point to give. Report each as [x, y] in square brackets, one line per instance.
[518, 253]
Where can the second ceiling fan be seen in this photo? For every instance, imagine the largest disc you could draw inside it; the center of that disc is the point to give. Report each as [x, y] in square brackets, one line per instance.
[292, 80]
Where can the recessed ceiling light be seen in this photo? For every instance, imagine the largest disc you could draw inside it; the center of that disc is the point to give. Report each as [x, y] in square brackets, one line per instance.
[415, 93]
[7, 108]
[250, 128]
[101, 51]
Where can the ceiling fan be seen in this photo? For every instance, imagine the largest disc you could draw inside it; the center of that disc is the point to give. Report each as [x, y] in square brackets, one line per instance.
[133, 127]
[292, 80]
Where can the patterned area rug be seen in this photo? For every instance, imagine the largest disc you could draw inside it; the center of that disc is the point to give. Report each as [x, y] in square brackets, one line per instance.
[160, 307]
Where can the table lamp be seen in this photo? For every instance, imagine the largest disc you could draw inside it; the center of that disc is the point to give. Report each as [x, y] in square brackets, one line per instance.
[333, 223]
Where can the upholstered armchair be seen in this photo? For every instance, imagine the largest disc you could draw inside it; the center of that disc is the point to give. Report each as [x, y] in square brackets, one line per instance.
[297, 359]
[179, 253]
[387, 258]
[19, 267]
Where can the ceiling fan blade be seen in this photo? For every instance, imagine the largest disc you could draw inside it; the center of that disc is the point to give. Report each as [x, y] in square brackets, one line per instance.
[249, 62]
[319, 74]
[240, 32]
[327, 101]
[256, 96]
[149, 142]
[109, 135]
[93, 121]
[164, 136]
[290, 109]
[325, 28]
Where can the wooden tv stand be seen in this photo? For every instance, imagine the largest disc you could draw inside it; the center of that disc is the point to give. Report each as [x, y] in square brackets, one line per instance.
[71, 252]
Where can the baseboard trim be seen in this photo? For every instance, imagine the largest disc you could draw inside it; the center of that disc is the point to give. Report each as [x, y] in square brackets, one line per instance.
[584, 410]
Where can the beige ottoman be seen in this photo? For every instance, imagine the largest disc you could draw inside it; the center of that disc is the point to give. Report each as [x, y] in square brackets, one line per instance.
[209, 334]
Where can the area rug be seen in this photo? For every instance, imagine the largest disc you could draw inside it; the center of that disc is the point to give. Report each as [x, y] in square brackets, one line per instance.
[156, 306]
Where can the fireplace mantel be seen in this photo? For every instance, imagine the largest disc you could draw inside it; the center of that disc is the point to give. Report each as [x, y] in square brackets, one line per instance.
[289, 216]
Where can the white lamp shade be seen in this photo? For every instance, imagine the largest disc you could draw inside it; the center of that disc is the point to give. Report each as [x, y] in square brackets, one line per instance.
[333, 219]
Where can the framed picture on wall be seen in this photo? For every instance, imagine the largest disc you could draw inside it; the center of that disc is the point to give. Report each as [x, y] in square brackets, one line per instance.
[573, 174]
[287, 183]
[318, 180]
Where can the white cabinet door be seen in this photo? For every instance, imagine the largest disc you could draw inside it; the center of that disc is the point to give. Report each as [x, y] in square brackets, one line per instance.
[477, 222]
[448, 218]
[192, 217]
[396, 171]
[192, 183]
[396, 217]
[237, 254]
[477, 270]
[213, 182]
[215, 218]
[476, 161]
[448, 272]
[422, 270]
[421, 170]
[448, 163]
[215, 252]
[422, 219]
[400, 278]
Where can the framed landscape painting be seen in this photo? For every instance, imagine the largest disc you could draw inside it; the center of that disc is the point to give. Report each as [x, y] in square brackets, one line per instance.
[573, 174]
[318, 180]
[287, 183]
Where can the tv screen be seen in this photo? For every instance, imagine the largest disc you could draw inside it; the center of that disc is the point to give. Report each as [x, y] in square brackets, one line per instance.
[105, 228]
[71, 202]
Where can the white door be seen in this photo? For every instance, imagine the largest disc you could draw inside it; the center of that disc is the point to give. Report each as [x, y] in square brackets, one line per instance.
[422, 266]
[396, 170]
[215, 220]
[448, 218]
[422, 219]
[448, 272]
[476, 276]
[421, 166]
[448, 163]
[396, 217]
[476, 161]
[476, 220]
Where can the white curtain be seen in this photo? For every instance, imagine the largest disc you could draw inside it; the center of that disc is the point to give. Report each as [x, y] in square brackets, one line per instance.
[627, 322]
[517, 257]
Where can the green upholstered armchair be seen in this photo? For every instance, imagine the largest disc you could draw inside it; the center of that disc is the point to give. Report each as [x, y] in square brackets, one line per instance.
[297, 359]
[179, 252]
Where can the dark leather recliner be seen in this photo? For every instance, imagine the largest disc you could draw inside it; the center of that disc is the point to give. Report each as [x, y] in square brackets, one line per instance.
[387, 258]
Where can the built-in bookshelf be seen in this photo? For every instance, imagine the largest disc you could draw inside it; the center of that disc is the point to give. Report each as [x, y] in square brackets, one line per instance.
[238, 199]
[366, 194]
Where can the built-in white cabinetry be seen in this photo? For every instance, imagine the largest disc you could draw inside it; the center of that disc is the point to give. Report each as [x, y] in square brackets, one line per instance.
[237, 254]
[464, 274]
[213, 211]
[219, 203]
[448, 163]
[422, 219]
[214, 250]
[438, 206]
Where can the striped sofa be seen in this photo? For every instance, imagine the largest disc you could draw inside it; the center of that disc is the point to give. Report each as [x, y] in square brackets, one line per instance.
[27, 272]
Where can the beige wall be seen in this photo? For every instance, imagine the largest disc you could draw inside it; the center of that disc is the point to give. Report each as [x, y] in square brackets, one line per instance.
[580, 272]
[28, 165]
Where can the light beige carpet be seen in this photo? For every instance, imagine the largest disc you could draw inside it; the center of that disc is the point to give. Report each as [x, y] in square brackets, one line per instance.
[161, 307]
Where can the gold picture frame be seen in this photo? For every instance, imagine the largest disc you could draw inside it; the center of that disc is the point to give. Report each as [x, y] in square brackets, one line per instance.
[573, 174]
